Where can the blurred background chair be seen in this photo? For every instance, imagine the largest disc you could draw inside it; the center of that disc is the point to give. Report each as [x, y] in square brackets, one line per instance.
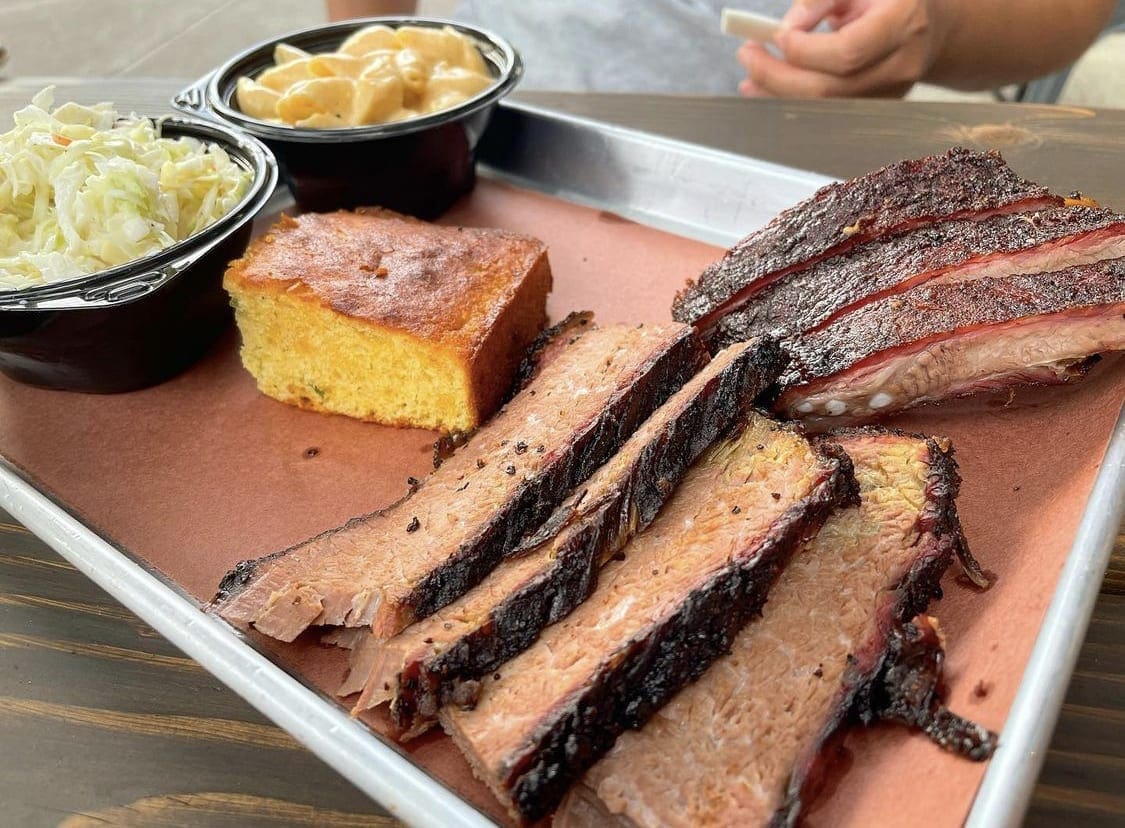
[1105, 57]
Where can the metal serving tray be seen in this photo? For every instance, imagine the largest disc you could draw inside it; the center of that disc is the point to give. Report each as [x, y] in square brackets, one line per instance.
[689, 190]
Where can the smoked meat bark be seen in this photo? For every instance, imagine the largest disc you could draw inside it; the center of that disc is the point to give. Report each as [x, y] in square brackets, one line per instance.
[592, 388]
[957, 184]
[747, 743]
[951, 251]
[439, 660]
[947, 340]
[673, 603]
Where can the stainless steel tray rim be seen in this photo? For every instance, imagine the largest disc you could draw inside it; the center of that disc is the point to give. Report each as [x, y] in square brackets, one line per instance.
[702, 193]
[1005, 792]
[324, 727]
[390, 778]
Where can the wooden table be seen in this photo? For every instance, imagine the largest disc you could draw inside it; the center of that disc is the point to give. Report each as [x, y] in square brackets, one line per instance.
[102, 720]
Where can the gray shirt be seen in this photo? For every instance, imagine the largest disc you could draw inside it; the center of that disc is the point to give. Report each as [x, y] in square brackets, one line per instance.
[667, 46]
[661, 46]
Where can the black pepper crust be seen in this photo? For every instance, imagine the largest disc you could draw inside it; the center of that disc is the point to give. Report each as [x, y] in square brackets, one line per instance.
[550, 342]
[909, 690]
[908, 686]
[808, 299]
[929, 313]
[667, 364]
[864, 682]
[536, 498]
[840, 216]
[672, 653]
[236, 580]
[588, 533]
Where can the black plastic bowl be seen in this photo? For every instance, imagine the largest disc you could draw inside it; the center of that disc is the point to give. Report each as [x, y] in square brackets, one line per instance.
[418, 166]
[142, 322]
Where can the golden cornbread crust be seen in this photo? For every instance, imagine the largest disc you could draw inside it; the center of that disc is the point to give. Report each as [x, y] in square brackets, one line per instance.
[388, 318]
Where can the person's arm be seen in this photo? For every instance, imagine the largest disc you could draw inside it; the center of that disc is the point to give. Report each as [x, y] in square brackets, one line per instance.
[348, 9]
[994, 43]
[882, 47]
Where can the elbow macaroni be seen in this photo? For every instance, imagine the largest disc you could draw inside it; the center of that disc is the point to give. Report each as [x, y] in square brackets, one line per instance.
[378, 75]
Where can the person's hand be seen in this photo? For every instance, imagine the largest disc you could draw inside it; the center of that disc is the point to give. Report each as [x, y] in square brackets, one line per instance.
[876, 47]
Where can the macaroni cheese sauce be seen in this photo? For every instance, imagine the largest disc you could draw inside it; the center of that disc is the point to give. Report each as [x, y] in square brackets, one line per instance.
[379, 75]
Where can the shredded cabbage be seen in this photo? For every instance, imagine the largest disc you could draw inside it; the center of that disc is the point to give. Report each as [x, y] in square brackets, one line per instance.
[83, 189]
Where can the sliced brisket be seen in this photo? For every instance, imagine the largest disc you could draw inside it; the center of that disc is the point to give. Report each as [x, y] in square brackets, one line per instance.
[746, 744]
[590, 390]
[439, 659]
[951, 339]
[952, 251]
[658, 617]
[958, 184]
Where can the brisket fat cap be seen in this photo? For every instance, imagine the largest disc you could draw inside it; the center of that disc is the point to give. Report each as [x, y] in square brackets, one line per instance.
[945, 340]
[748, 743]
[957, 184]
[948, 251]
[387, 569]
[659, 616]
[908, 689]
[439, 659]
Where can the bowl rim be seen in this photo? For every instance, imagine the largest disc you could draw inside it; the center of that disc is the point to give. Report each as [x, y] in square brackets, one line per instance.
[245, 149]
[212, 100]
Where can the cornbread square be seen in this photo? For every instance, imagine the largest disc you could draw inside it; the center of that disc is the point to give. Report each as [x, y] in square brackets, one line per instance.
[387, 318]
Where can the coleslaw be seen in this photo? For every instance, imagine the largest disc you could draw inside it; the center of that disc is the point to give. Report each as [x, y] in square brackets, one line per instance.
[83, 189]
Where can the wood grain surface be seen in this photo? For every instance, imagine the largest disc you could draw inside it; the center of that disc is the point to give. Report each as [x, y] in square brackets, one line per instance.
[104, 722]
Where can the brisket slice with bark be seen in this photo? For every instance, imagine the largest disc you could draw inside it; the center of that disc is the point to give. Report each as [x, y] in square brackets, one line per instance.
[590, 391]
[946, 340]
[439, 659]
[958, 184]
[659, 616]
[950, 251]
[747, 744]
[909, 687]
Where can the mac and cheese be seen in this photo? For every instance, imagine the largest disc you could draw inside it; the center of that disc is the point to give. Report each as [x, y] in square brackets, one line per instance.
[378, 75]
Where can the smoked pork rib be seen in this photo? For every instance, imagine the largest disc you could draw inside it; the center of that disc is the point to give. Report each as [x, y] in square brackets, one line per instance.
[659, 616]
[590, 392]
[439, 659]
[952, 251]
[953, 339]
[746, 744]
[958, 184]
